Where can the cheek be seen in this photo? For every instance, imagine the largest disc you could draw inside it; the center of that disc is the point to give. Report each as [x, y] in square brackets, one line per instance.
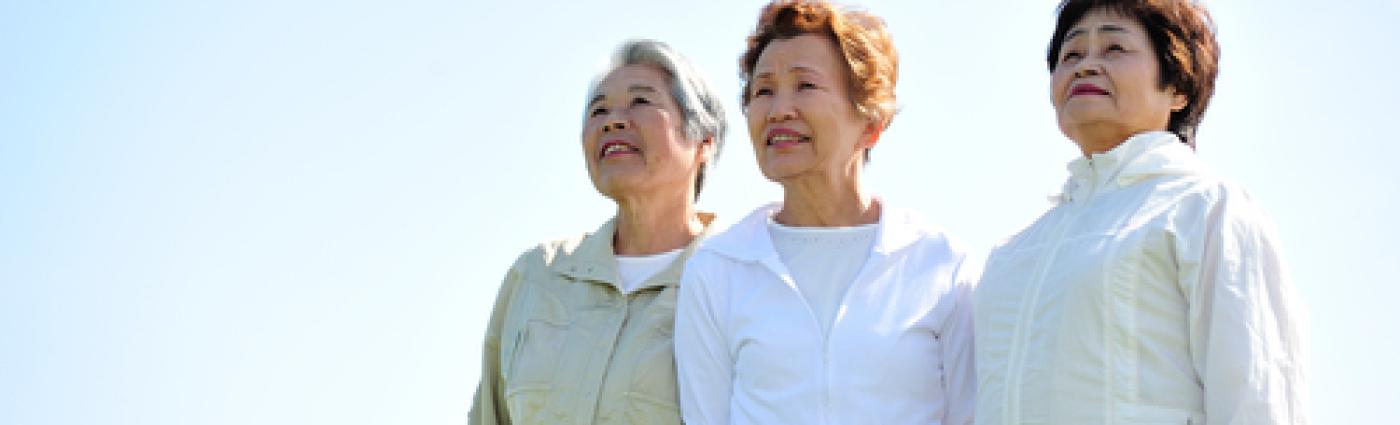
[662, 132]
[756, 123]
[648, 123]
[652, 125]
[1059, 86]
[590, 140]
[834, 118]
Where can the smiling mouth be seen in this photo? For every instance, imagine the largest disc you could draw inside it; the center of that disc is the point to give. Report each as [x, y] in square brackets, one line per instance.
[787, 139]
[617, 147]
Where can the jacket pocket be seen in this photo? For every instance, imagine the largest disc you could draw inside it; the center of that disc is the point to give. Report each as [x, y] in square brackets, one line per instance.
[539, 348]
[653, 396]
[1155, 415]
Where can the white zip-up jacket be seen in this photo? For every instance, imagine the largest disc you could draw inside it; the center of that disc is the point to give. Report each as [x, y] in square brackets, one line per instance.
[749, 350]
[1154, 293]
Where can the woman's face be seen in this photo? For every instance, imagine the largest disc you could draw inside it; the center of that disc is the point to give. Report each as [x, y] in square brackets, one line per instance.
[801, 118]
[1105, 87]
[633, 140]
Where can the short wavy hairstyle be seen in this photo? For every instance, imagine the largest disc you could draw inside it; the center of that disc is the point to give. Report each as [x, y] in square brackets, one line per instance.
[872, 64]
[1183, 40]
[702, 113]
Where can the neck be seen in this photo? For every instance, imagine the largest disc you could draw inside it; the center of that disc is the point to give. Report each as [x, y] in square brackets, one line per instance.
[1098, 138]
[649, 225]
[827, 202]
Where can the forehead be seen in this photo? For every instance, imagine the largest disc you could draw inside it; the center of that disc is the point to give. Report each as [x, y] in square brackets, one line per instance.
[629, 77]
[811, 51]
[1105, 20]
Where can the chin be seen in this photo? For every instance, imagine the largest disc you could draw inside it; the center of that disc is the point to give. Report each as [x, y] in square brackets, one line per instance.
[775, 170]
[615, 185]
[775, 174]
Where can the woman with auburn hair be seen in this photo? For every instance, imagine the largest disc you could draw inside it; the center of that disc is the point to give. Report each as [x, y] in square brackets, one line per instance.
[581, 330]
[1154, 292]
[832, 306]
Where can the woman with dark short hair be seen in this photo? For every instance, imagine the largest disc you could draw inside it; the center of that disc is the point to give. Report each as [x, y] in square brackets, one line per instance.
[581, 330]
[1154, 292]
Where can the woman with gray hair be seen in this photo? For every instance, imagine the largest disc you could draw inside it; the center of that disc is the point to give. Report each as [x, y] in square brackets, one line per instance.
[581, 329]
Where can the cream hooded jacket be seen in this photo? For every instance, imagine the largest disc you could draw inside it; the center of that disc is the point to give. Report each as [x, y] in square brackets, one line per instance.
[1154, 293]
[749, 349]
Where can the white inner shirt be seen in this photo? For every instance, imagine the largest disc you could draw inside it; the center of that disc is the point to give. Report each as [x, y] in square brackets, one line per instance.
[823, 262]
[635, 270]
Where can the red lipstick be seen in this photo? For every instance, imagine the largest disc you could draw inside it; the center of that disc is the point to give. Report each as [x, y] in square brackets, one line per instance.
[1087, 89]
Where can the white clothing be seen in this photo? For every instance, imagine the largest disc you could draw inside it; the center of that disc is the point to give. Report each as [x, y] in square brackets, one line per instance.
[1154, 293]
[749, 350]
[633, 271]
[823, 262]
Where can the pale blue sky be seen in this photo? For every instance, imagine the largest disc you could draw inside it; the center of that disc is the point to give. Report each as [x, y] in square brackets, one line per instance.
[299, 212]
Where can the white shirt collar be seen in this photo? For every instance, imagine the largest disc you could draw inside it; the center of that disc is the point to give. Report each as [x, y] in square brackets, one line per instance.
[749, 240]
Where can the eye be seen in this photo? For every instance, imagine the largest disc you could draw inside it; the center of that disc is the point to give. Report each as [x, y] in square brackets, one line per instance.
[1116, 48]
[762, 91]
[805, 85]
[1069, 56]
[641, 101]
[598, 111]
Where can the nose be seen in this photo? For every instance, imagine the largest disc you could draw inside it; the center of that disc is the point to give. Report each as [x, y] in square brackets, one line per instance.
[1087, 68]
[614, 122]
[782, 110]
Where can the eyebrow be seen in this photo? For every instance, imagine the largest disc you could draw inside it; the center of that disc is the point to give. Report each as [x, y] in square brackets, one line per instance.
[635, 88]
[796, 68]
[806, 70]
[1102, 28]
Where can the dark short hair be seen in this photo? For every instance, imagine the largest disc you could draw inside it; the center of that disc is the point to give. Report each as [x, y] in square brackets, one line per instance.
[1183, 39]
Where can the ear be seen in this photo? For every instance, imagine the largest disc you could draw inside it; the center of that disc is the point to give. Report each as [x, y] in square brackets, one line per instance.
[870, 136]
[705, 150]
[1179, 101]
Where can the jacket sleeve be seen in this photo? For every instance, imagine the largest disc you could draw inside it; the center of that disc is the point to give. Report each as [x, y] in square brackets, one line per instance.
[488, 406]
[1246, 323]
[703, 365]
[956, 342]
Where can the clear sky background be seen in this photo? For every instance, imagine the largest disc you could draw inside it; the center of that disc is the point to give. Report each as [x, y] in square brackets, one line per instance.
[272, 212]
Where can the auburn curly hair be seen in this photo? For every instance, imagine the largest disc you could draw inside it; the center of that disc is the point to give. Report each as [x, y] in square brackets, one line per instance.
[872, 65]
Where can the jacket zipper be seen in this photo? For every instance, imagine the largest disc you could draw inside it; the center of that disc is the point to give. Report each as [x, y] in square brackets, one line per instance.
[1028, 303]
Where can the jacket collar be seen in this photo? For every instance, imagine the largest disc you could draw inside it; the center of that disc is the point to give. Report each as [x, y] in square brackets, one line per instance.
[749, 240]
[593, 257]
[1141, 157]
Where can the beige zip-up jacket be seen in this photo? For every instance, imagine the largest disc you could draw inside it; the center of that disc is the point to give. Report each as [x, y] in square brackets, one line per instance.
[564, 346]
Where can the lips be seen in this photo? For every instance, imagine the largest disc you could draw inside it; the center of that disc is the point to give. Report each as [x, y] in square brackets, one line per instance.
[1087, 89]
[617, 147]
[785, 137]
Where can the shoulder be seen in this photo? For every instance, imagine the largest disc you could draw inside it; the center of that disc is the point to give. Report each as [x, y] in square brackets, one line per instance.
[1213, 198]
[708, 263]
[537, 261]
[546, 253]
[738, 241]
[920, 245]
[921, 233]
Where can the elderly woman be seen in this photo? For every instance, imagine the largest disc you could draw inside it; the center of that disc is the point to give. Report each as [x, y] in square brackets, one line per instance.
[1154, 292]
[581, 330]
[832, 307]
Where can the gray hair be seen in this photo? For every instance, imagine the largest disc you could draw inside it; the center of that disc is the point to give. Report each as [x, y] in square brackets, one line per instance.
[702, 113]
